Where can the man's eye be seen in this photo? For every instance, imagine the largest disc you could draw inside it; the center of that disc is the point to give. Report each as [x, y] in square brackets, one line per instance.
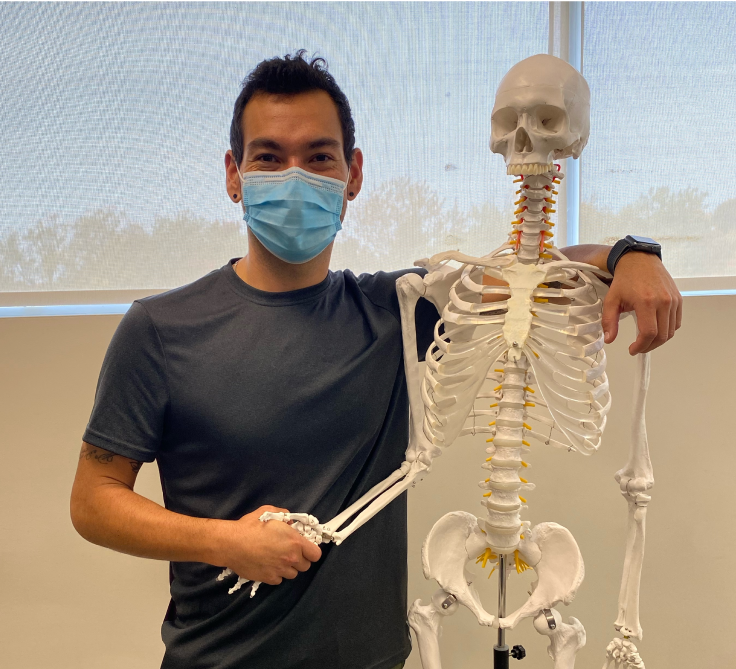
[322, 157]
[266, 157]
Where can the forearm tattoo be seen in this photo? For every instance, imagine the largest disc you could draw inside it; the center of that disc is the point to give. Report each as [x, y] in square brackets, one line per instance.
[105, 458]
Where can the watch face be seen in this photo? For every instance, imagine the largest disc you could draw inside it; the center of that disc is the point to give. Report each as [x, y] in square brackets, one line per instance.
[643, 240]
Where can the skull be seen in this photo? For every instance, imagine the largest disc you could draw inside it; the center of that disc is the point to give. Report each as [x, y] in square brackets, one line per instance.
[541, 113]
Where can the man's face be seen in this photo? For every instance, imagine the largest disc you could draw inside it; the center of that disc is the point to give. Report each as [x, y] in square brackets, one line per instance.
[301, 130]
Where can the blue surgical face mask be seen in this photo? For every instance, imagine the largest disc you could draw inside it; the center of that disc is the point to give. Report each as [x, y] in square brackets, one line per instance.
[295, 214]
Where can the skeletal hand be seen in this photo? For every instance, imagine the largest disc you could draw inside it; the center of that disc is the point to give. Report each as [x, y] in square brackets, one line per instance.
[642, 284]
[268, 552]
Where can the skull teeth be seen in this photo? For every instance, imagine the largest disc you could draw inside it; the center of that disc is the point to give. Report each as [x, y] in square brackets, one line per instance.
[531, 168]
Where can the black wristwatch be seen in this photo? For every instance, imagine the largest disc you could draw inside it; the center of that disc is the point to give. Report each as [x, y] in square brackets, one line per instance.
[631, 243]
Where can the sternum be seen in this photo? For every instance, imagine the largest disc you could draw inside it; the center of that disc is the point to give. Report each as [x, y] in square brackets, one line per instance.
[503, 524]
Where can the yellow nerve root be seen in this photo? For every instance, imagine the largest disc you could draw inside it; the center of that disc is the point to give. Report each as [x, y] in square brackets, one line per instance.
[488, 555]
[484, 557]
[521, 566]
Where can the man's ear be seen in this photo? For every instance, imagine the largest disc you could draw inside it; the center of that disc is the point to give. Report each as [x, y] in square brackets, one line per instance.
[355, 181]
[232, 180]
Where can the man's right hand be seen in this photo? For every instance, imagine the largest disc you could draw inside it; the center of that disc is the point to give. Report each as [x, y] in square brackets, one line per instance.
[266, 552]
[106, 511]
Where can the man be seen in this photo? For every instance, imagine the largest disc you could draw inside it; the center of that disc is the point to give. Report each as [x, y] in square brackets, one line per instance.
[274, 384]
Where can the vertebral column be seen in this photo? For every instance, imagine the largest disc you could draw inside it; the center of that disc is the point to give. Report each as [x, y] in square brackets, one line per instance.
[532, 230]
[503, 524]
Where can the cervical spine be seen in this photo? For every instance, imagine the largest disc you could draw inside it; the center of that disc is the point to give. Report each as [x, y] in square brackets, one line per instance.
[531, 238]
[532, 231]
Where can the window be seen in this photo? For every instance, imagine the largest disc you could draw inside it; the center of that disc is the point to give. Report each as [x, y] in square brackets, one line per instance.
[116, 120]
[663, 82]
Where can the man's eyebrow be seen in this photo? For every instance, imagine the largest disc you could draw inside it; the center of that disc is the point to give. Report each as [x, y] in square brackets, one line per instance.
[324, 142]
[263, 143]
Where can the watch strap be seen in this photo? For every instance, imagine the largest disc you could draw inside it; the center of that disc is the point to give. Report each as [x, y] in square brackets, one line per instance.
[615, 254]
[631, 243]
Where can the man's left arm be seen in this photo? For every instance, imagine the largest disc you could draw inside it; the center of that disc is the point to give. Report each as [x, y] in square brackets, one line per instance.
[641, 284]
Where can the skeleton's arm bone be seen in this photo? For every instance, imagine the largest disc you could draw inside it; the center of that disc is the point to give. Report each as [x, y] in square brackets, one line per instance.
[416, 470]
[627, 622]
[422, 446]
[332, 525]
[637, 475]
[634, 479]
[410, 288]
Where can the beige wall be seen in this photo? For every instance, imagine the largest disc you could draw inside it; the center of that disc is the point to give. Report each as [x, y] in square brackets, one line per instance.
[70, 605]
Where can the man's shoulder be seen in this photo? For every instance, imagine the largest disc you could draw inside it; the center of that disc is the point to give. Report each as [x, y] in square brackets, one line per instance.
[188, 300]
[380, 287]
[384, 278]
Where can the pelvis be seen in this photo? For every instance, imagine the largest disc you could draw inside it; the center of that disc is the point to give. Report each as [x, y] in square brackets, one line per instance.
[549, 549]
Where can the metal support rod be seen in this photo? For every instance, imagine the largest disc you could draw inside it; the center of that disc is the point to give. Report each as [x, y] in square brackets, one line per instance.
[501, 650]
[501, 596]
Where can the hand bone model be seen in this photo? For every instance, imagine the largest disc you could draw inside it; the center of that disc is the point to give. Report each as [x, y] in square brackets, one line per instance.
[518, 358]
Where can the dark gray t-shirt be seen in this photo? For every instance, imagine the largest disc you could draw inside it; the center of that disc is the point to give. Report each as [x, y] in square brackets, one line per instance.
[294, 399]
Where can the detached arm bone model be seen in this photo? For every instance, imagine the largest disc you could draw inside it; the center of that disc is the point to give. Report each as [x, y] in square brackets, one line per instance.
[527, 368]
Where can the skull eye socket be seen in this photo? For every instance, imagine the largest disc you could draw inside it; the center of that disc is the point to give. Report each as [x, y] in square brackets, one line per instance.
[550, 119]
[505, 121]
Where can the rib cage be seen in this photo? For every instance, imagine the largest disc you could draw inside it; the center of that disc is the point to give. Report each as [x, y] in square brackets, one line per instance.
[564, 347]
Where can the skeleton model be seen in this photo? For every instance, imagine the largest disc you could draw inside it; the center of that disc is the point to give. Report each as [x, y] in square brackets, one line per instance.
[518, 358]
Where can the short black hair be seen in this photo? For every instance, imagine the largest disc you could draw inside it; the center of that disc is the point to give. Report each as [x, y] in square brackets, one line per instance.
[290, 75]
